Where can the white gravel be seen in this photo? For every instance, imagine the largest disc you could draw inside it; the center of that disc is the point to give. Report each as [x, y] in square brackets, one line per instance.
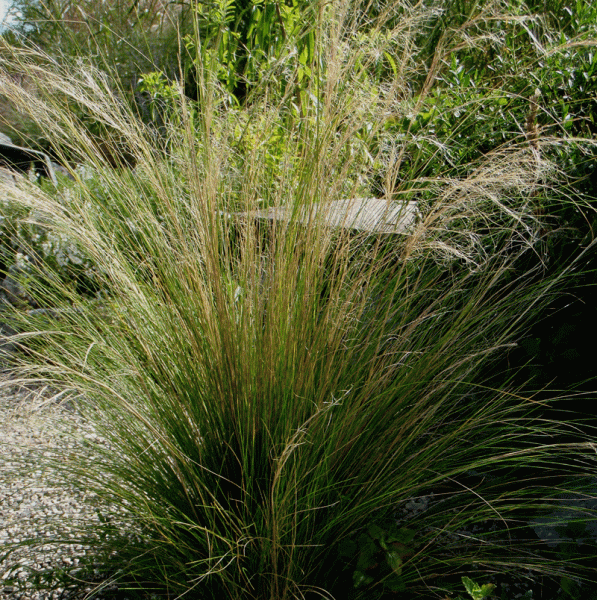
[33, 425]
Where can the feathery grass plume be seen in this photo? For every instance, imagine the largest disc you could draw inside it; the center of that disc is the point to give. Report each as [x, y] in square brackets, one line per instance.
[268, 395]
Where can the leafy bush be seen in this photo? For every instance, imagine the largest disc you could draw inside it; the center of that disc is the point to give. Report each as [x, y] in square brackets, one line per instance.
[124, 36]
[29, 245]
[241, 39]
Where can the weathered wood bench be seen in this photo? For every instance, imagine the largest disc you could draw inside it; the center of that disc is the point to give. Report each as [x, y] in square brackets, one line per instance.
[372, 215]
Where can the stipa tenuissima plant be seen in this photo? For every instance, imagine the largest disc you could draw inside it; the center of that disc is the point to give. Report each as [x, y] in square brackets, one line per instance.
[270, 393]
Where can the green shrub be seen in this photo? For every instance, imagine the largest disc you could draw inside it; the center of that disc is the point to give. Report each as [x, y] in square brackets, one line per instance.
[29, 245]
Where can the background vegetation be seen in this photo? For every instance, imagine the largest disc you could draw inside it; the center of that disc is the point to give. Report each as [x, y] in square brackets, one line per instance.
[273, 396]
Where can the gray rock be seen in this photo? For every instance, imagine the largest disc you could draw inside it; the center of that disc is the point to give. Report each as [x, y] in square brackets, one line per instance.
[12, 291]
[62, 170]
[573, 508]
[9, 175]
[7, 347]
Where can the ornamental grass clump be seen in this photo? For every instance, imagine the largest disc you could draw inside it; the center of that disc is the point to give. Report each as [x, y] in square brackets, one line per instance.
[268, 394]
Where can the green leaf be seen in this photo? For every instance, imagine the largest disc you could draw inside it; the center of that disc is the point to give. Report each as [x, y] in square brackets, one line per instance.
[367, 552]
[487, 590]
[394, 583]
[400, 534]
[359, 579]
[394, 561]
[475, 591]
[376, 532]
[304, 56]
[392, 62]
[570, 587]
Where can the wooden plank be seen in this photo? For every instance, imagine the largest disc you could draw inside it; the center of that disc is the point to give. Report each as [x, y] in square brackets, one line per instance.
[373, 215]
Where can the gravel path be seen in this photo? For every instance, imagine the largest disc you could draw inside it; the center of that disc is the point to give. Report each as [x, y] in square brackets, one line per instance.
[33, 425]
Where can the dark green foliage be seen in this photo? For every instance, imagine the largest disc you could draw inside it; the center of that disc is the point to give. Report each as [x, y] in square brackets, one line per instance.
[376, 555]
[245, 37]
[125, 36]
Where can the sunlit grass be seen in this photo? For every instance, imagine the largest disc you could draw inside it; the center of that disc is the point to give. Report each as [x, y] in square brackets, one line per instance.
[270, 390]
